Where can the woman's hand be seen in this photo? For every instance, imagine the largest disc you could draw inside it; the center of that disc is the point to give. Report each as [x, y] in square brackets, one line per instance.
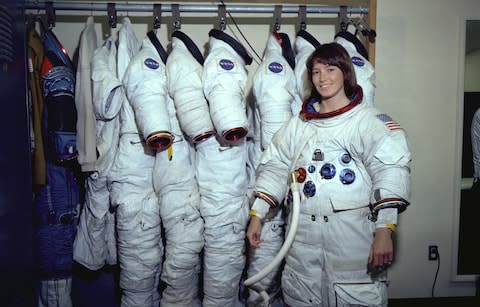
[254, 231]
[381, 253]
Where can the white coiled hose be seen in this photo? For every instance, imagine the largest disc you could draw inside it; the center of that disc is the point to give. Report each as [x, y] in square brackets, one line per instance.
[251, 282]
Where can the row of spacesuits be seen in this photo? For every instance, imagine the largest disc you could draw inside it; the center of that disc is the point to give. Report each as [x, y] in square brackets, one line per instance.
[171, 147]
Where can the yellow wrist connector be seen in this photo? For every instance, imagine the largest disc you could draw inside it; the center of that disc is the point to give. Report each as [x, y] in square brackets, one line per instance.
[252, 212]
[392, 227]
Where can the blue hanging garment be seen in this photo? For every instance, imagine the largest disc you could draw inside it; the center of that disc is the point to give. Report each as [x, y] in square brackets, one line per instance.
[55, 204]
[60, 115]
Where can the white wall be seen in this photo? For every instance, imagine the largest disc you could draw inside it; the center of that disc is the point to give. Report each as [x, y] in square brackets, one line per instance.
[418, 57]
[418, 67]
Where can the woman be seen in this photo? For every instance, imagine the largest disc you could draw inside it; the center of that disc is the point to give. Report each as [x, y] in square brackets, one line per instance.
[352, 164]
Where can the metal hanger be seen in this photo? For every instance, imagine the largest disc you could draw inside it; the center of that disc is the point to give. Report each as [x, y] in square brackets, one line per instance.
[222, 14]
[112, 15]
[277, 18]
[50, 12]
[302, 17]
[157, 15]
[177, 22]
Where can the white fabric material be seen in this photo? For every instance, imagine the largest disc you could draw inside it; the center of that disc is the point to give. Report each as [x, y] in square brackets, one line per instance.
[222, 180]
[128, 48]
[137, 210]
[475, 133]
[386, 216]
[55, 293]
[336, 212]
[368, 294]
[224, 81]
[274, 89]
[95, 242]
[184, 74]
[145, 82]
[364, 70]
[303, 49]
[83, 98]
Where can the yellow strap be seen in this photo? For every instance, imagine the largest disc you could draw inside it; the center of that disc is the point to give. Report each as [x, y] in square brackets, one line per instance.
[252, 212]
[170, 152]
[392, 227]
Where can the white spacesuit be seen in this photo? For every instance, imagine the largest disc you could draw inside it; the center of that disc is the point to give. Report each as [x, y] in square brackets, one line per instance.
[184, 72]
[364, 70]
[274, 85]
[305, 44]
[221, 170]
[274, 88]
[174, 181]
[343, 163]
[95, 243]
[224, 81]
[145, 85]
[137, 211]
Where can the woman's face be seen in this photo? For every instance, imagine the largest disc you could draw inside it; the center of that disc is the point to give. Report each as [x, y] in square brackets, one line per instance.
[328, 81]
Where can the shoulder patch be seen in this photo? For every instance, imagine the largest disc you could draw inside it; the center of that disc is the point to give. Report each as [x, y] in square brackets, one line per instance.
[226, 64]
[151, 63]
[358, 61]
[275, 67]
[389, 122]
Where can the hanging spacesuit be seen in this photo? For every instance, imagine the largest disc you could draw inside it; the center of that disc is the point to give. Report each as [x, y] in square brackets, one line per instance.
[364, 70]
[179, 195]
[305, 44]
[184, 72]
[343, 161]
[274, 88]
[146, 92]
[95, 242]
[56, 202]
[221, 170]
[224, 79]
[137, 211]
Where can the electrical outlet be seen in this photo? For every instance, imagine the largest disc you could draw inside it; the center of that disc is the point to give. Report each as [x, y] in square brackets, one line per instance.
[432, 252]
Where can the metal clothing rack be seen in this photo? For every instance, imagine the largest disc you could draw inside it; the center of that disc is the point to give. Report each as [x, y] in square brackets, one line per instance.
[195, 8]
[158, 8]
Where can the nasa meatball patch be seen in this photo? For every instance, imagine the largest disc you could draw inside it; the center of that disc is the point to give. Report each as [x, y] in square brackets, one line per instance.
[151, 63]
[226, 64]
[275, 67]
[357, 61]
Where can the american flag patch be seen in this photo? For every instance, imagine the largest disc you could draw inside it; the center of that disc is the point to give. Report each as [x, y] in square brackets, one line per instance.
[389, 122]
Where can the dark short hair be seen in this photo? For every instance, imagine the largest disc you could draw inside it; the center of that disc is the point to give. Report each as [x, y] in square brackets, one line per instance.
[333, 54]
